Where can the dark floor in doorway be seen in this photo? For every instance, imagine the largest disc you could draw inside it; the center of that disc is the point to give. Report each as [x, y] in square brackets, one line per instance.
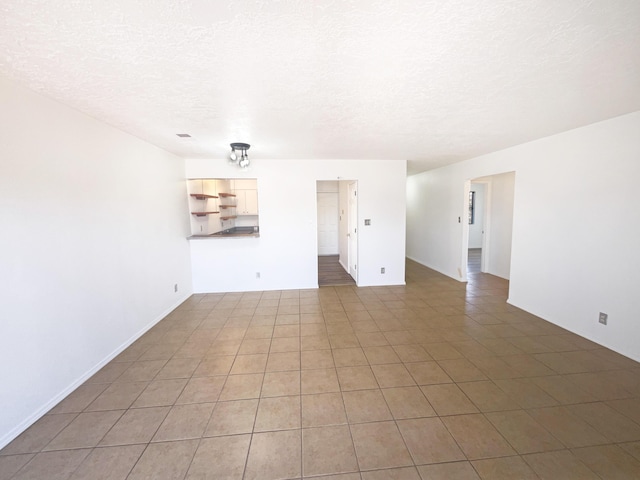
[473, 262]
[330, 272]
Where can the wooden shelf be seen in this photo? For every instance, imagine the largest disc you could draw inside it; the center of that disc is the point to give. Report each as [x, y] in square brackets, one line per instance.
[227, 206]
[202, 196]
[229, 217]
[224, 195]
[202, 214]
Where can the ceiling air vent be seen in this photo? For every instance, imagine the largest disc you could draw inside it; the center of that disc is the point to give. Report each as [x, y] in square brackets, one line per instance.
[183, 135]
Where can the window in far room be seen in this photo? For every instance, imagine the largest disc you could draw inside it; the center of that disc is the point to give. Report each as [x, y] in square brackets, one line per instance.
[472, 207]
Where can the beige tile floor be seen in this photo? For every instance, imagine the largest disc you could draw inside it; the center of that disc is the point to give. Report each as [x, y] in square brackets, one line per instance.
[435, 380]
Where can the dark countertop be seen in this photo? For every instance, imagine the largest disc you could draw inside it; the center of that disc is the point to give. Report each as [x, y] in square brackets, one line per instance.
[228, 235]
[235, 232]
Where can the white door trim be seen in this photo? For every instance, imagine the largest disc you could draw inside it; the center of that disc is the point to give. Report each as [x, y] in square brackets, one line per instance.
[353, 230]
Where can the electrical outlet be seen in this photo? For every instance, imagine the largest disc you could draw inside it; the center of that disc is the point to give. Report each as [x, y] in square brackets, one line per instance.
[603, 318]
[175, 287]
[382, 270]
[257, 274]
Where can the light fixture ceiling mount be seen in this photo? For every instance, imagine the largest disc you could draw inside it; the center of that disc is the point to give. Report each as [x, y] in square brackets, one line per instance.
[241, 158]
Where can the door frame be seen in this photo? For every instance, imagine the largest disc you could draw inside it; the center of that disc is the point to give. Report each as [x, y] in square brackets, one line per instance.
[352, 229]
[486, 213]
[486, 227]
[486, 224]
[350, 219]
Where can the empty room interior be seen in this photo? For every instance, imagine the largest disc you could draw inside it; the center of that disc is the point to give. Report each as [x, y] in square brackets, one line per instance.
[353, 240]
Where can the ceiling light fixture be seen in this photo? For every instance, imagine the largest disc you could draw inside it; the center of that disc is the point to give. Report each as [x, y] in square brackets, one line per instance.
[241, 158]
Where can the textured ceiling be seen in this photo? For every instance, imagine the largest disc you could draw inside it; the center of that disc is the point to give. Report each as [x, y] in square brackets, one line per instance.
[430, 81]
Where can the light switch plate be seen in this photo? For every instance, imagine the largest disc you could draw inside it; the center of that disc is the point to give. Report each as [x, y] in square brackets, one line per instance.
[603, 318]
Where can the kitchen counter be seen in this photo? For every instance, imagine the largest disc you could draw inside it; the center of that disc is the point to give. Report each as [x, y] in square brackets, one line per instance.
[235, 232]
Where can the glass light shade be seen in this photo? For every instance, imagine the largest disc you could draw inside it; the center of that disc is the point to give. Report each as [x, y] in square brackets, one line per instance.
[239, 155]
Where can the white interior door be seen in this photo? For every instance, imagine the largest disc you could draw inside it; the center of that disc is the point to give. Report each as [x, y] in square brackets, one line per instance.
[353, 230]
[328, 223]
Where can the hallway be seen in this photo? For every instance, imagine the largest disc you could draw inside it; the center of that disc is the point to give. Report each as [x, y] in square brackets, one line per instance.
[433, 380]
[474, 260]
[330, 272]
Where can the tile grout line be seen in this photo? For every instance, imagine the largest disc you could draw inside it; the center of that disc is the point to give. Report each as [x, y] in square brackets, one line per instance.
[344, 406]
[255, 418]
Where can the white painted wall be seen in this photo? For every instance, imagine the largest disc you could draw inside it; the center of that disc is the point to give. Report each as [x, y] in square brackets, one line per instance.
[93, 240]
[500, 225]
[327, 186]
[575, 226]
[435, 209]
[475, 229]
[285, 254]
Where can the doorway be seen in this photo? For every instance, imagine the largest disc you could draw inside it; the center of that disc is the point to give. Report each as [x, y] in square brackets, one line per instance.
[336, 220]
[489, 224]
[477, 201]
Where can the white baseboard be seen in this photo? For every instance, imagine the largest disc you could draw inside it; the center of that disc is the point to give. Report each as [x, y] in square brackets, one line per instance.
[346, 269]
[34, 417]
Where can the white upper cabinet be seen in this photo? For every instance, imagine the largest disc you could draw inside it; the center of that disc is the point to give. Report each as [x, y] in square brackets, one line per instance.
[246, 202]
[246, 193]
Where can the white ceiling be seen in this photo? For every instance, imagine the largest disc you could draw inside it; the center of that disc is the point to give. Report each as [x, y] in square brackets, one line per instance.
[430, 81]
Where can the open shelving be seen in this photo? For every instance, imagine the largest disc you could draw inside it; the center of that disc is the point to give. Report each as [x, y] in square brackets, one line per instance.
[202, 214]
[202, 196]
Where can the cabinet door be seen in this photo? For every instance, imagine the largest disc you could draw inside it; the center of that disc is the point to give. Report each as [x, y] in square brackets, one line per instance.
[246, 202]
[251, 202]
[241, 204]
